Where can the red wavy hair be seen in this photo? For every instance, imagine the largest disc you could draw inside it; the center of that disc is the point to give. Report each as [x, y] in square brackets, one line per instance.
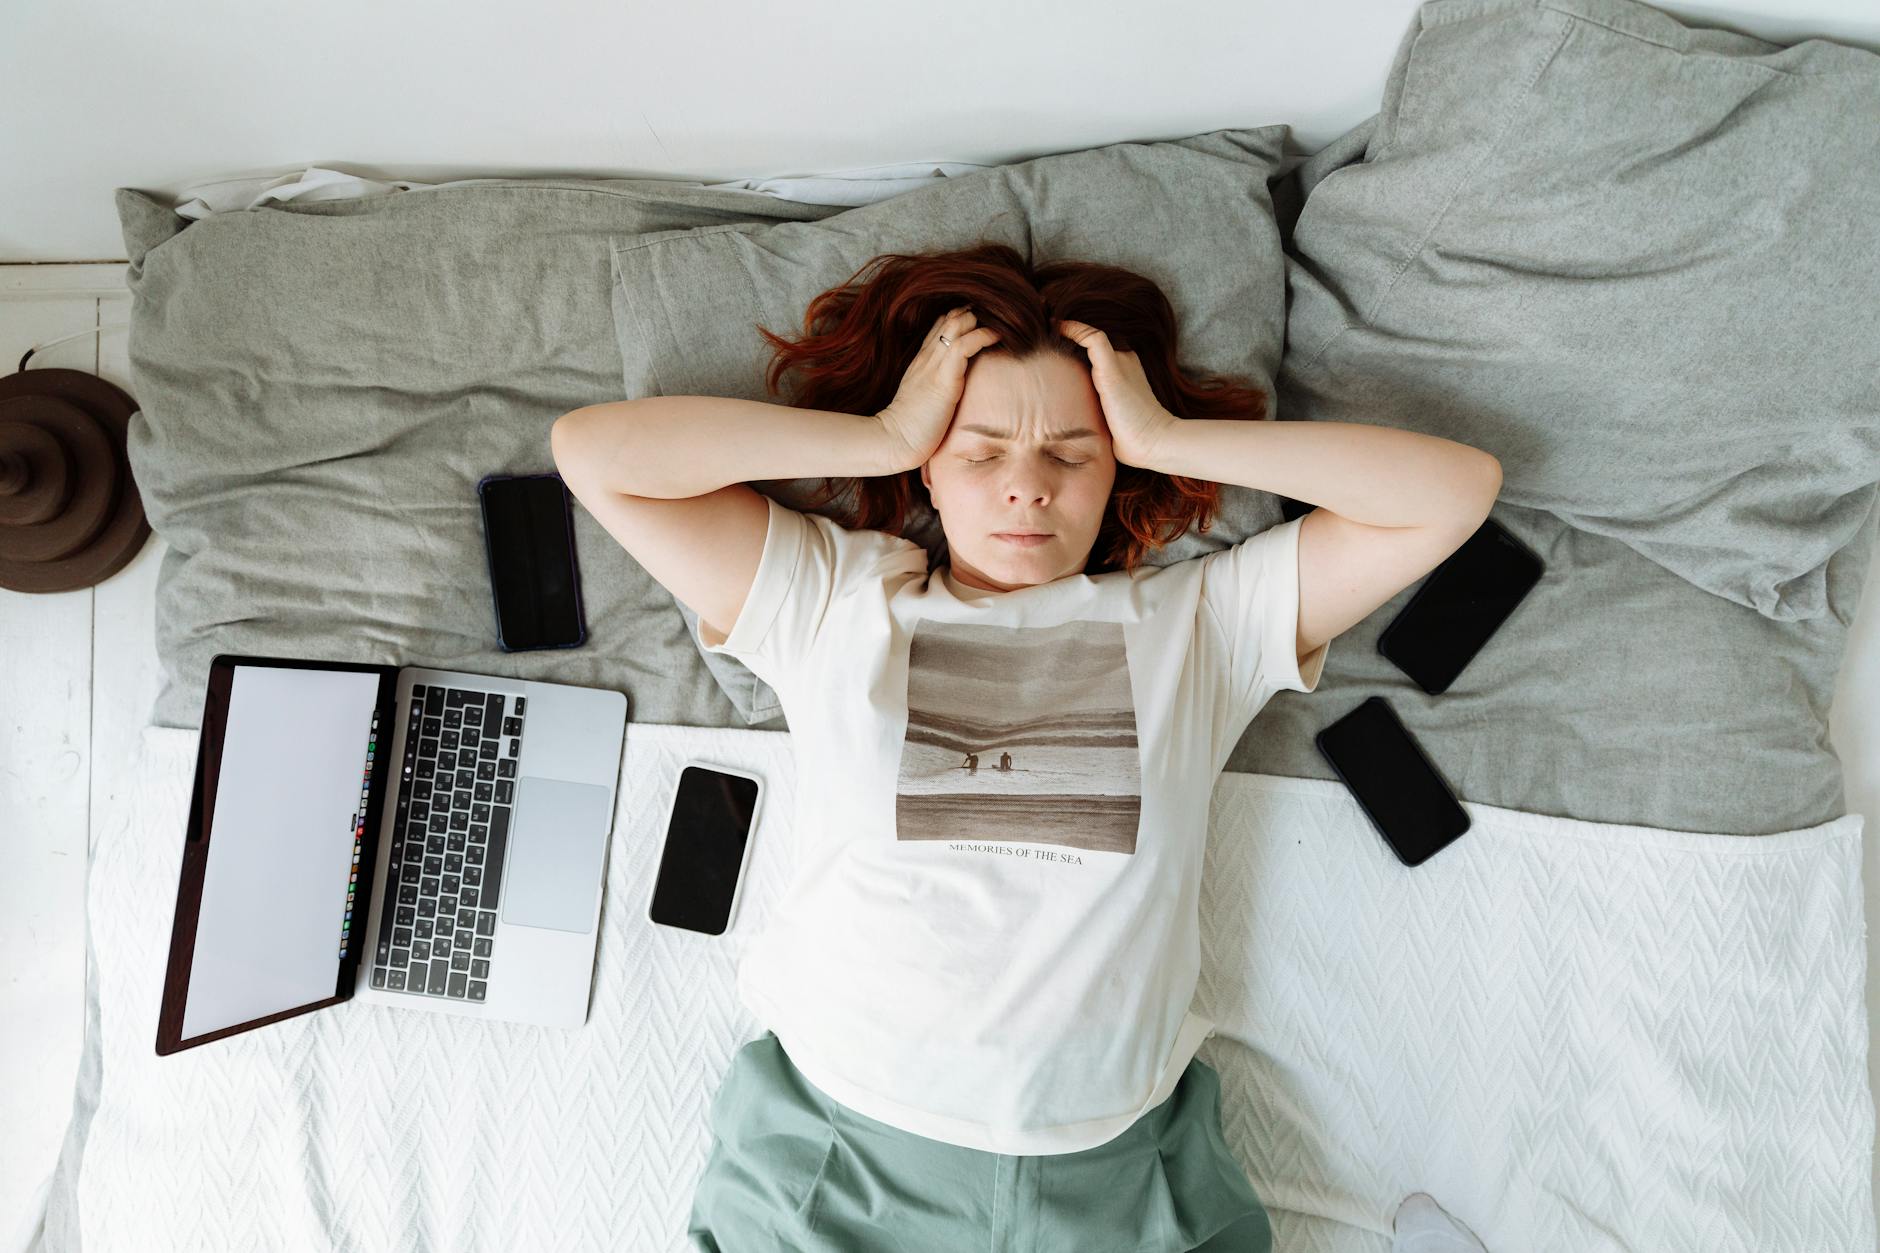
[859, 339]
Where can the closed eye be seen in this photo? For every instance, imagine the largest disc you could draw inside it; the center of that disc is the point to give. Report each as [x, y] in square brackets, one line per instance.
[982, 461]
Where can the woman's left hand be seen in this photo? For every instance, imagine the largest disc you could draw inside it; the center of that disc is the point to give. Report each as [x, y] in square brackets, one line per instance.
[1136, 418]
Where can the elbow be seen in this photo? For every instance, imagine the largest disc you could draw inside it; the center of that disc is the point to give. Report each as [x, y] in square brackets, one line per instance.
[561, 437]
[1491, 472]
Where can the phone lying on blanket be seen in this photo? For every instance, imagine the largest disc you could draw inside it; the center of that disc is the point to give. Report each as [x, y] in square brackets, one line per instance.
[1394, 781]
[528, 536]
[1462, 602]
[708, 844]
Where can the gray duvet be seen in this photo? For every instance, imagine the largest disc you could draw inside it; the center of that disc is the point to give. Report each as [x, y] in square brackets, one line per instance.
[322, 385]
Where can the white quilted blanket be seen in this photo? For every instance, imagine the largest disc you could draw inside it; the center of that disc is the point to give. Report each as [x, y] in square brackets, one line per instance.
[1577, 1036]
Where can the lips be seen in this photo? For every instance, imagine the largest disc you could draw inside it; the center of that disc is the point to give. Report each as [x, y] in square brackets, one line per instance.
[1023, 540]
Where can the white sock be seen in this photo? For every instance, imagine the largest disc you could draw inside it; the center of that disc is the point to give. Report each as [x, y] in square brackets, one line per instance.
[1423, 1226]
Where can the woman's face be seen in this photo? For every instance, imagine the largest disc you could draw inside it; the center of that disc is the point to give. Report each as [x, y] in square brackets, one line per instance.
[1028, 451]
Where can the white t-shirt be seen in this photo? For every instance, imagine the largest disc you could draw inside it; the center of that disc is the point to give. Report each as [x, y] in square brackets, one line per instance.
[991, 937]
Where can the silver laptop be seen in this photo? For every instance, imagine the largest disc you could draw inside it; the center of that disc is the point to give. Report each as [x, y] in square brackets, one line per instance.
[425, 839]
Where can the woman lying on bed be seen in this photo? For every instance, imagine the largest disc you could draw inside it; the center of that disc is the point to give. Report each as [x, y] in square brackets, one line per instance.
[977, 990]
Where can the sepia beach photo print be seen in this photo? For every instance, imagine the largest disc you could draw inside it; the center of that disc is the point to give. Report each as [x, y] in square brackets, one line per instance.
[1020, 735]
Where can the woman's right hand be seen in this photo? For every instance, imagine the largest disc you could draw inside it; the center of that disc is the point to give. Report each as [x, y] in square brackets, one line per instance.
[918, 417]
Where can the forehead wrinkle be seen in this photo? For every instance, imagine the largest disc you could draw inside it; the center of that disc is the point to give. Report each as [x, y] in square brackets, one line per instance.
[1054, 437]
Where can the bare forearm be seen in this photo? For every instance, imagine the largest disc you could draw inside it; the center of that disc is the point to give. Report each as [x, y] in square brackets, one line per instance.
[671, 447]
[1378, 475]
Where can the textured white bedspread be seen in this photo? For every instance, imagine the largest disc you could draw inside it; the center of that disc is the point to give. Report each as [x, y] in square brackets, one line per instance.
[1576, 1036]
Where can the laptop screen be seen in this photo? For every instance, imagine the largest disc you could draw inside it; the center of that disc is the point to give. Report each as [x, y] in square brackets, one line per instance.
[277, 914]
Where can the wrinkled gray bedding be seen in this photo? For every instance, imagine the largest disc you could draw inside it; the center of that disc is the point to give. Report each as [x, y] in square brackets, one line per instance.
[324, 383]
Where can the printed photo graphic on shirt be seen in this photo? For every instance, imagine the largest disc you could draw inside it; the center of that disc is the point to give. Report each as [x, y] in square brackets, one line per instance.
[1020, 735]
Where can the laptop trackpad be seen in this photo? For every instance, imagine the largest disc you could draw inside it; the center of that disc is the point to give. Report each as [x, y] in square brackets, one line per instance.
[556, 842]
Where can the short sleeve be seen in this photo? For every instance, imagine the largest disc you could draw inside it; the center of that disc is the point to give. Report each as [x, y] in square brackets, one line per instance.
[810, 565]
[1252, 592]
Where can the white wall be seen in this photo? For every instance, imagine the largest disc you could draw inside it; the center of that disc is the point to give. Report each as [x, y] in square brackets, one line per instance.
[161, 97]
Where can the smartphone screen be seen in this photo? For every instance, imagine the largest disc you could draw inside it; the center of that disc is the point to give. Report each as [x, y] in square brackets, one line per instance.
[528, 531]
[1393, 781]
[706, 837]
[1460, 605]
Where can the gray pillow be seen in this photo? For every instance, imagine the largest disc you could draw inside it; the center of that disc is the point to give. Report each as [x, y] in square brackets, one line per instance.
[1632, 259]
[1194, 214]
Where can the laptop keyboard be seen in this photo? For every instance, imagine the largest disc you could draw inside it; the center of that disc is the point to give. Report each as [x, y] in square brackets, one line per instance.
[455, 795]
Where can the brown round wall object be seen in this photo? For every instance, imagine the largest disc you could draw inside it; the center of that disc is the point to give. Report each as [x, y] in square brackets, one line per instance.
[70, 512]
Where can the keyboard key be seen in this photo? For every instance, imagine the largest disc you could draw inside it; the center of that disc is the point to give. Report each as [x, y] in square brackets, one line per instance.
[473, 715]
[487, 749]
[512, 726]
[505, 792]
[427, 908]
[457, 842]
[453, 719]
[420, 952]
[475, 855]
[424, 928]
[477, 990]
[486, 922]
[407, 894]
[466, 918]
[434, 864]
[499, 838]
[459, 985]
[456, 698]
[515, 746]
[485, 770]
[520, 703]
[401, 957]
[406, 914]
[397, 982]
[440, 947]
[479, 969]
[401, 937]
[440, 974]
[465, 778]
[460, 959]
[467, 897]
[506, 767]
[378, 974]
[482, 947]
[429, 886]
[451, 883]
[479, 813]
[432, 728]
[462, 798]
[493, 707]
[467, 758]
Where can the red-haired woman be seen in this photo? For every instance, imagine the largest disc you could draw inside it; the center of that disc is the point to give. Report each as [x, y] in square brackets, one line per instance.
[977, 991]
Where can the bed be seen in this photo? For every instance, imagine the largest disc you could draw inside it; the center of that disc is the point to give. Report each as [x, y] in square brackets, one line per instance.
[1627, 1014]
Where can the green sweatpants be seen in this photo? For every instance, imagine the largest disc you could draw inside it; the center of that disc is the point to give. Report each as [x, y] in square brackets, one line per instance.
[792, 1170]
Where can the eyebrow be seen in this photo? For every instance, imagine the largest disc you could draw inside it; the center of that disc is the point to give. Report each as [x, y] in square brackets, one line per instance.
[1054, 437]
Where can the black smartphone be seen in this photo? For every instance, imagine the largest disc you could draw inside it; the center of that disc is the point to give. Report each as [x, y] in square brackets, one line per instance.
[528, 536]
[708, 844]
[1462, 602]
[1394, 781]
